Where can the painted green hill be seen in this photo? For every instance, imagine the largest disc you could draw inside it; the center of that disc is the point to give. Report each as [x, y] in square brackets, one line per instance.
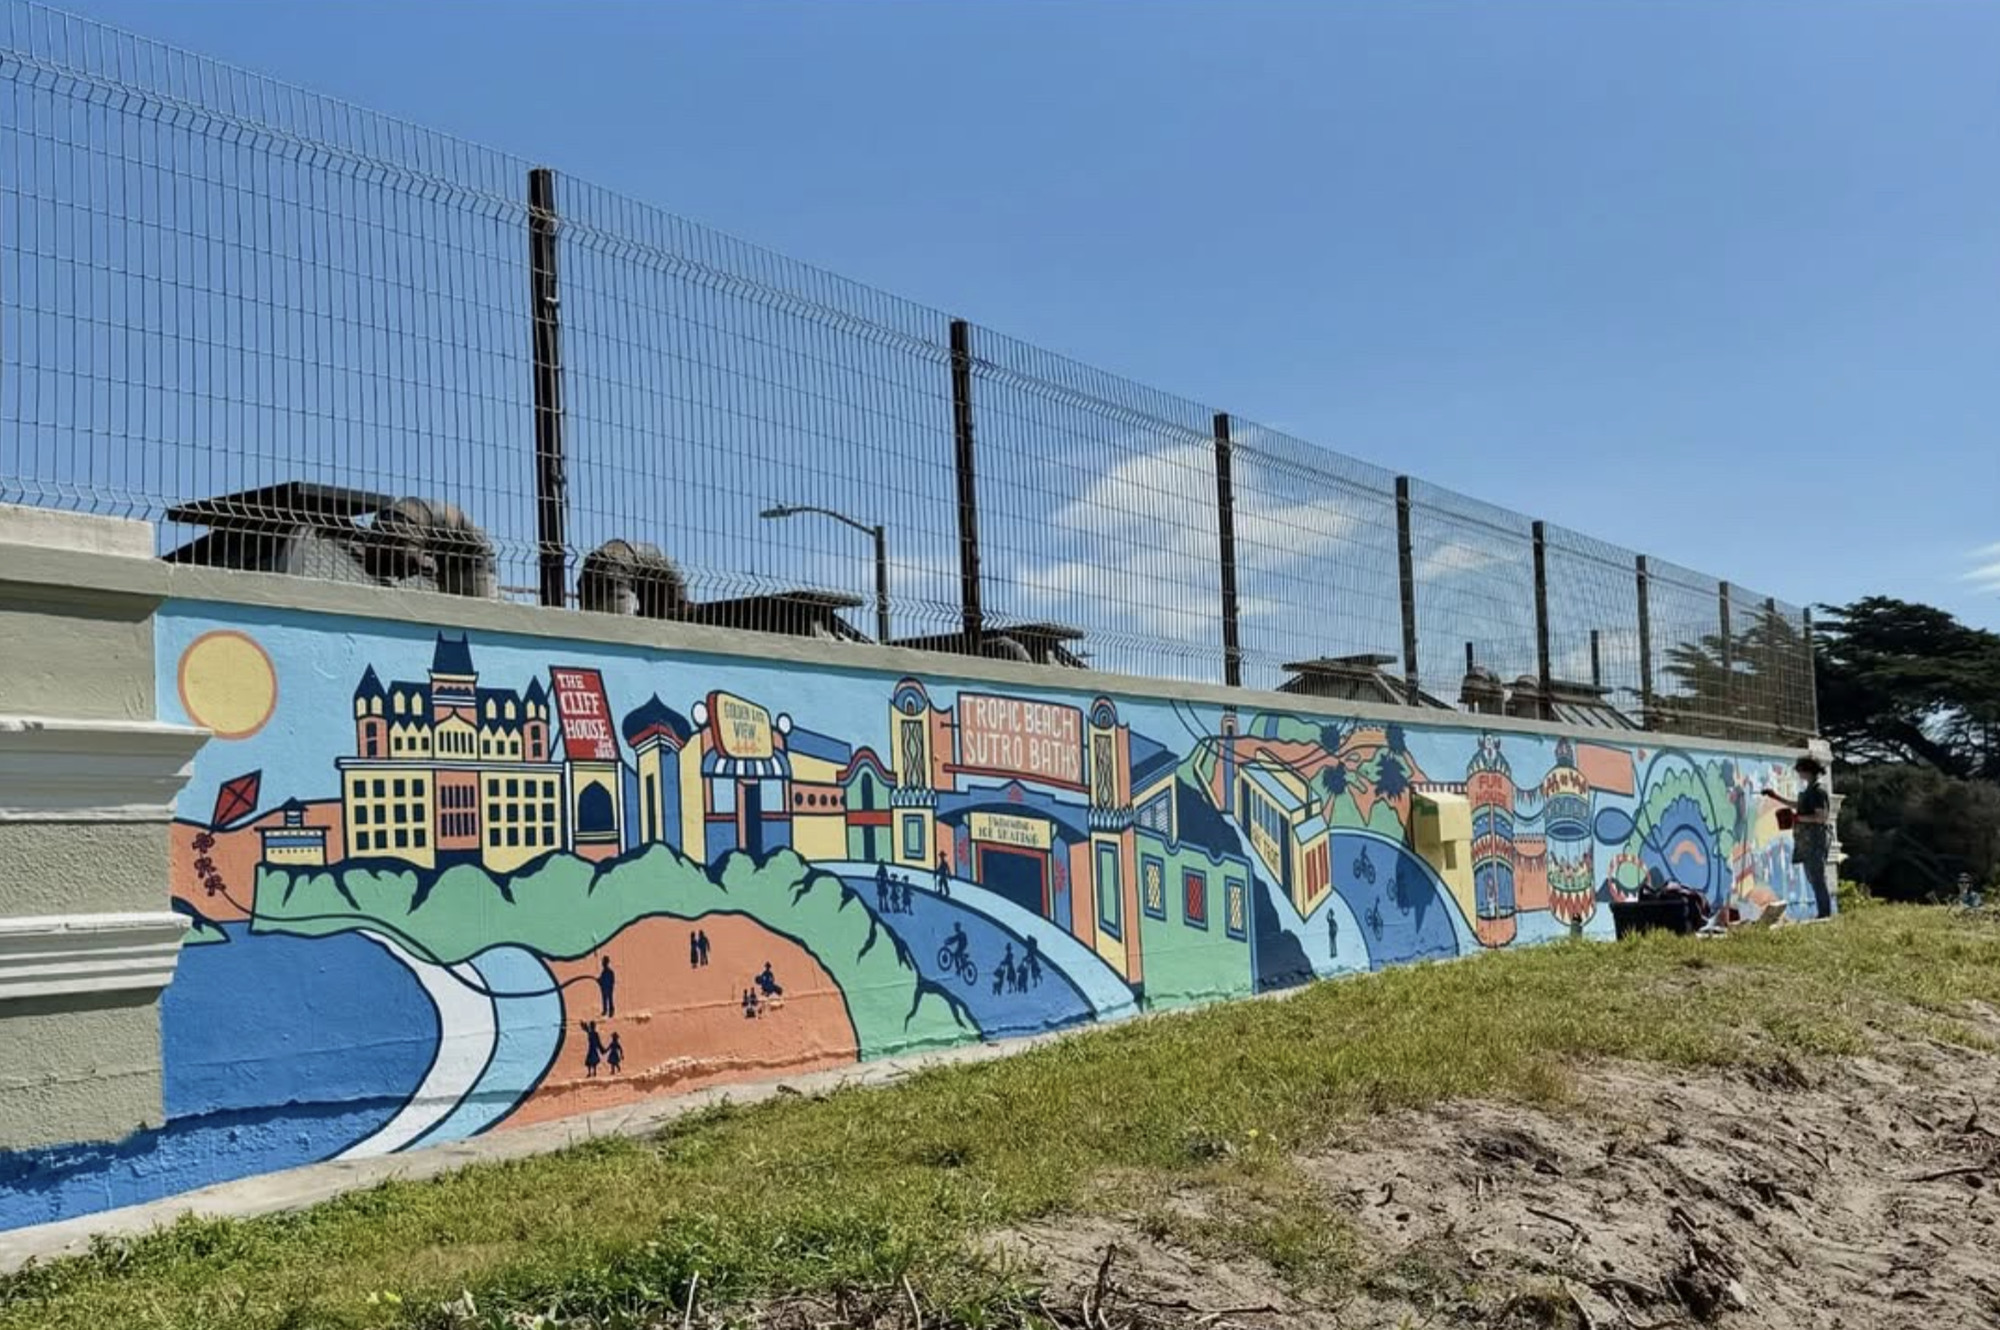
[564, 907]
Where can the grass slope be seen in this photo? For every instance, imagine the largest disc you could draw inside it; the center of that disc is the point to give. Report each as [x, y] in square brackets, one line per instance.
[864, 1187]
[564, 907]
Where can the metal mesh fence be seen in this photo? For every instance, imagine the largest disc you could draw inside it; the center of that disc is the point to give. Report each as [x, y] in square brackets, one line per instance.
[303, 337]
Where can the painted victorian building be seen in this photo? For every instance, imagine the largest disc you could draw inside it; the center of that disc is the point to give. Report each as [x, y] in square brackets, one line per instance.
[1031, 799]
[445, 771]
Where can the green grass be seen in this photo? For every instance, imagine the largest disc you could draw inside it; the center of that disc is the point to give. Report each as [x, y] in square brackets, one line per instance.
[861, 1188]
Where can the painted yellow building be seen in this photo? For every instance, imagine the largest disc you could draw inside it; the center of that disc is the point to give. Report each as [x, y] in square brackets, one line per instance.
[1441, 834]
[445, 770]
[292, 843]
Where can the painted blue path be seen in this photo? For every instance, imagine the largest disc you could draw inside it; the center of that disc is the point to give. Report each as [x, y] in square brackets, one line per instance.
[1064, 997]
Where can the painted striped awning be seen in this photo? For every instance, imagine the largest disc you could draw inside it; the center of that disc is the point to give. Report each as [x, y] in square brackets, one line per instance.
[774, 767]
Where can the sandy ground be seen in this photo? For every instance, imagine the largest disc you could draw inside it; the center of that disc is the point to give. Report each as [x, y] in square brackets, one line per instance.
[1854, 1196]
[682, 1028]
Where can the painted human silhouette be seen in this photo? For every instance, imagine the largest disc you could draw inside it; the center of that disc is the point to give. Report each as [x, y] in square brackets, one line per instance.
[607, 986]
[615, 1055]
[767, 982]
[593, 1054]
[1031, 962]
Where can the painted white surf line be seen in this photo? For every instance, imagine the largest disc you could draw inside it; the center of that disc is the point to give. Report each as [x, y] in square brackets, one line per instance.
[467, 1035]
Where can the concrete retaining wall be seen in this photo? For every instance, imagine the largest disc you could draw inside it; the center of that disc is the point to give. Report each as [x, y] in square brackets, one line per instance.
[293, 872]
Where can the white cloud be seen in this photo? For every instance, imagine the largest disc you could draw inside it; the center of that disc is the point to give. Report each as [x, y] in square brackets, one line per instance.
[1985, 571]
[1140, 543]
[1449, 561]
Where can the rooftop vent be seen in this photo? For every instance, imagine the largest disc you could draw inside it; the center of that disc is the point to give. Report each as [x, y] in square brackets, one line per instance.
[624, 577]
[311, 530]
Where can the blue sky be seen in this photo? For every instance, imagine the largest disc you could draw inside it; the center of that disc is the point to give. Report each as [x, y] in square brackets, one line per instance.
[1715, 280]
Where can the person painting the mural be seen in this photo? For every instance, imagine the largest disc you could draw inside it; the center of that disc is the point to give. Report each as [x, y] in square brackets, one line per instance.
[1811, 827]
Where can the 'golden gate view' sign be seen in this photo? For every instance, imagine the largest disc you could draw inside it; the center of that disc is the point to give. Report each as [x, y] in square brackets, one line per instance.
[742, 729]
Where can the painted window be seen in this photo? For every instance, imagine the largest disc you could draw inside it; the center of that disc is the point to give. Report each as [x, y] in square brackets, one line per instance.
[1235, 908]
[1153, 887]
[593, 810]
[1110, 892]
[911, 741]
[1103, 771]
[913, 836]
[1194, 899]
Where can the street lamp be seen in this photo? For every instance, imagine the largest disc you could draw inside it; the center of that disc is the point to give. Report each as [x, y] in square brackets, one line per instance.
[881, 555]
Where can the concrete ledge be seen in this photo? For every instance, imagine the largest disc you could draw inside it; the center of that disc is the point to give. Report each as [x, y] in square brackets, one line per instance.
[82, 533]
[57, 955]
[60, 770]
[157, 580]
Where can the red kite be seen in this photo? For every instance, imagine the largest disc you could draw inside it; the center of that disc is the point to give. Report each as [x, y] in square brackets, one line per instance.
[237, 799]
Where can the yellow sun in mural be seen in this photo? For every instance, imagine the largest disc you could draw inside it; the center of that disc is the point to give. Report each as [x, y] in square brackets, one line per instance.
[227, 684]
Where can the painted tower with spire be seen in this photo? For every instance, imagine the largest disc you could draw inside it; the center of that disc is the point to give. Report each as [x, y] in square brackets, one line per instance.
[1566, 823]
[1489, 789]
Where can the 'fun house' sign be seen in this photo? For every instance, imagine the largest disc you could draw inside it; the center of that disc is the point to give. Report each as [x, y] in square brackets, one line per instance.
[586, 715]
[1011, 736]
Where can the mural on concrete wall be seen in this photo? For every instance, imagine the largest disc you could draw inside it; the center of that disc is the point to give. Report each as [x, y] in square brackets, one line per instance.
[440, 884]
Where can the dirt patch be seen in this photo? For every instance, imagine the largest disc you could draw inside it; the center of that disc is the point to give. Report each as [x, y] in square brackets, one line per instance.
[1858, 1195]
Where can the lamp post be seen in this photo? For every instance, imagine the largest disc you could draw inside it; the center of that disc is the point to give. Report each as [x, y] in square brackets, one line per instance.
[876, 532]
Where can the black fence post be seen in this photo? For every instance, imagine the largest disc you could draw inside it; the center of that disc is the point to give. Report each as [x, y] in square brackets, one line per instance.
[968, 486]
[1543, 673]
[1771, 668]
[551, 472]
[1812, 671]
[1644, 582]
[1225, 528]
[1406, 575]
[1728, 656]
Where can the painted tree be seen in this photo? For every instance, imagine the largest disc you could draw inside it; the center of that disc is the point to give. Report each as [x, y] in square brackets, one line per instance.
[205, 867]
